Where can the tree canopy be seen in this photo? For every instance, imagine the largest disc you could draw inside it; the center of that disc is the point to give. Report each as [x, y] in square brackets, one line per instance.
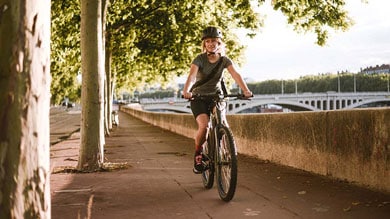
[65, 50]
[315, 16]
[154, 41]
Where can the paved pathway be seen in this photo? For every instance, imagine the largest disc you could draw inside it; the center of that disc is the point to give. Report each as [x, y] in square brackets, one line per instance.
[160, 184]
[63, 122]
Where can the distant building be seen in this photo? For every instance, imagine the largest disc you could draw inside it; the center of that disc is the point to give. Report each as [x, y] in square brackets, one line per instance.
[377, 69]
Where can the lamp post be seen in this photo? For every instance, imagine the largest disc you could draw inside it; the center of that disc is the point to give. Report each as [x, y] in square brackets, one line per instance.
[296, 87]
[338, 82]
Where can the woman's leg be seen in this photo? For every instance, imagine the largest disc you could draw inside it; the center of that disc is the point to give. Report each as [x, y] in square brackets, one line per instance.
[202, 120]
[200, 109]
[200, 137]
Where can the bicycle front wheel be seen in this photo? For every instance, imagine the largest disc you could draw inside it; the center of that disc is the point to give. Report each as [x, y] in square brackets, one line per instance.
[226, 164]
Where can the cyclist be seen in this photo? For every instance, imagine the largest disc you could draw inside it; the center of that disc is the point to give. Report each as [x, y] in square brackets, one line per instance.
[205, 77]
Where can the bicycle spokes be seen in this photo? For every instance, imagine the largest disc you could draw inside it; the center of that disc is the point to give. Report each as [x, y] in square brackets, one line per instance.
[224, 155]
[224, 162]
[226, 165]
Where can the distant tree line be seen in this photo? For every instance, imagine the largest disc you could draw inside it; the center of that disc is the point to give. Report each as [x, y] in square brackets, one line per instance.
[346, 82]
[160, 94]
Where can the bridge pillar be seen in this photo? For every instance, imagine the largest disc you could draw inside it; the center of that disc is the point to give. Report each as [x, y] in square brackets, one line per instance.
[328, 104]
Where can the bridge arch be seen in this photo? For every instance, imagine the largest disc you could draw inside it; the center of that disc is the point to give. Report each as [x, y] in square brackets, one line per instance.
[367, 102]
[167, 107]
[296, 106]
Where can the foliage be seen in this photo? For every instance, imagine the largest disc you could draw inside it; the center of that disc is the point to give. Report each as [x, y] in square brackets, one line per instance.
[153, 41]
[65, 50]
[315, 16]
[160, 38]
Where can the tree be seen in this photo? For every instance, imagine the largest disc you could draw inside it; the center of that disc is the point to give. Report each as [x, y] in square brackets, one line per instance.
[24, 109]
[65, 50]
[91, 154]
[315, 16]
[152, 41]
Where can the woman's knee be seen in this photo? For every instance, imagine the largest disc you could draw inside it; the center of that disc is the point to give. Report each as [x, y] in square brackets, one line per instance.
[202, 121]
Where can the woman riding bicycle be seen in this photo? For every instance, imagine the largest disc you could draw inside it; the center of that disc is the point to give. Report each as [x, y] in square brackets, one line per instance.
[205, 77]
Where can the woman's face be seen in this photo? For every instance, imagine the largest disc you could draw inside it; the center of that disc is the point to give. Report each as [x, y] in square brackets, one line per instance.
[212, 44]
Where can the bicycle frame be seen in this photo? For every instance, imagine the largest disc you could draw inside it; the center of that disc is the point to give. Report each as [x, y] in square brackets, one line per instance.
[217, 119]
[220, 152]
[219, 112]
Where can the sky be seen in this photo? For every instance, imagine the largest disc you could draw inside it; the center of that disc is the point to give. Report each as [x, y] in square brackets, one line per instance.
[277, 52]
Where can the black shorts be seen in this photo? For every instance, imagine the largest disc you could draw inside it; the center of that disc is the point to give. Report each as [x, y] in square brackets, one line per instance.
[201, 106]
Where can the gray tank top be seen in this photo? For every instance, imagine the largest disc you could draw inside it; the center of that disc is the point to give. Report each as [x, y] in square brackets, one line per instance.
[205, 68]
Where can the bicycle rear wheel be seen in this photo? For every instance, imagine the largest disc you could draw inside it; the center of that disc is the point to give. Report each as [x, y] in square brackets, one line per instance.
[226, 164]
[208, 164]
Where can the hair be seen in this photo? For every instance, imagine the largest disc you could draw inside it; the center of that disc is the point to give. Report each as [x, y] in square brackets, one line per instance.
[222, 49]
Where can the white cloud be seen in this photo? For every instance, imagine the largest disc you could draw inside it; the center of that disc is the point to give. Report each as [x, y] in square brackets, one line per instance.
[280, 53]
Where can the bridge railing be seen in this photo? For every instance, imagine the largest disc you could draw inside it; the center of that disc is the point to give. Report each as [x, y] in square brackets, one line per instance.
[300, 101]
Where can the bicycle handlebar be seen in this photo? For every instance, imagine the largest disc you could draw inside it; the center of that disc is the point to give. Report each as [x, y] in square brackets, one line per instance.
[218, 96]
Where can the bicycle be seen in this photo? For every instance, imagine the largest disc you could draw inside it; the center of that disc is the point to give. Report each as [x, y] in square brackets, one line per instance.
[219, 139]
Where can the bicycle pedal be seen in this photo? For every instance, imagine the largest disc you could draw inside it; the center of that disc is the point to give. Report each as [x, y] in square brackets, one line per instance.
[206, 166]
[196, 171]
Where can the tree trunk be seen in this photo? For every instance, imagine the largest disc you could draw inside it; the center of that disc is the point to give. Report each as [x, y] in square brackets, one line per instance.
[109, 98]
[24, 109]
[91, 154]
[107, 109]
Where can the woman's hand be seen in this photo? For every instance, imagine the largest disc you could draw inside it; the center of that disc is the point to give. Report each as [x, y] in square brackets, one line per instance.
[248, 93]
[187, 95]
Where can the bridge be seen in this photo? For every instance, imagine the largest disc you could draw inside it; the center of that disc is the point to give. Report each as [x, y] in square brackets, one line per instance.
[289, 102]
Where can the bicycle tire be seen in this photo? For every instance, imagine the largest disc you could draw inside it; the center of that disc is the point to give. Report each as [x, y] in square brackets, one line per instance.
[226, 164]
[208, 163]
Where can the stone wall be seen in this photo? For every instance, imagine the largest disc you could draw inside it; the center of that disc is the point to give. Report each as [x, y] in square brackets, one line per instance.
[352, 145]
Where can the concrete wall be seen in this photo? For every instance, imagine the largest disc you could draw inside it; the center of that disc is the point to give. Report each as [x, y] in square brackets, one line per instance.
[352, 145]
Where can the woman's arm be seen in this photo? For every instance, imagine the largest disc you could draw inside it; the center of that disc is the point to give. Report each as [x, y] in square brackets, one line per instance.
[241, 83]
[190, 81]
